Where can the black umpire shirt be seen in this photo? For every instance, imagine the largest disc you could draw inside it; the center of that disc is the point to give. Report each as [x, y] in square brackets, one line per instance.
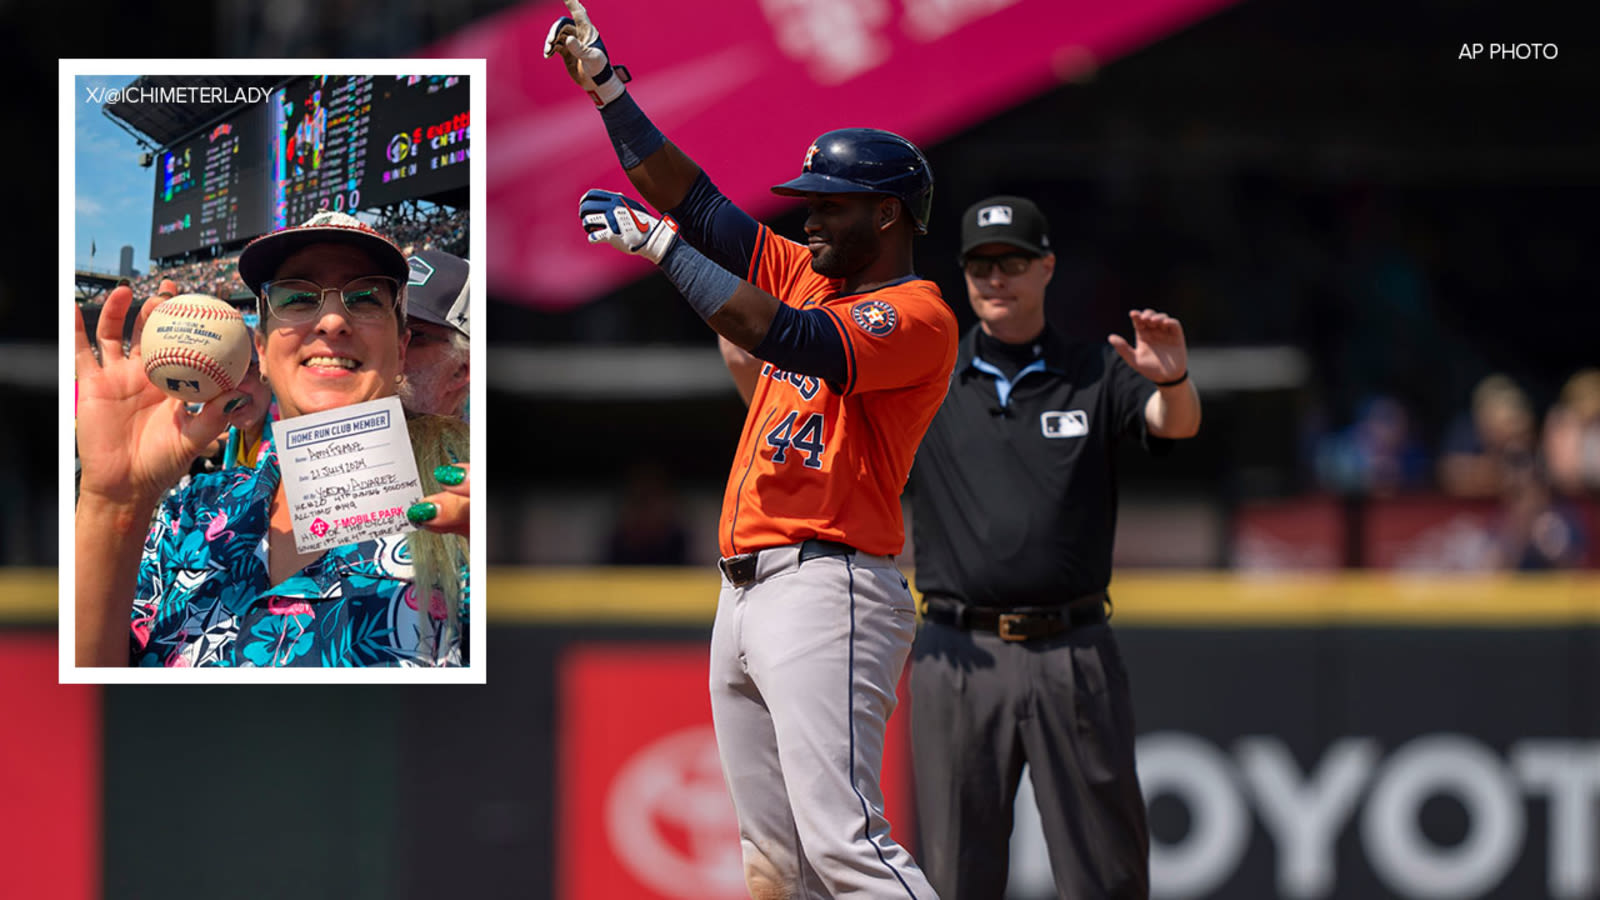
[1014, 495]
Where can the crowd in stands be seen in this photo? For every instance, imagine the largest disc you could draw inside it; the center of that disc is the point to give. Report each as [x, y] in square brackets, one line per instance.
[218, 277]
[447, 232]
[1538, 469]
[441, 229]
[1499, 436]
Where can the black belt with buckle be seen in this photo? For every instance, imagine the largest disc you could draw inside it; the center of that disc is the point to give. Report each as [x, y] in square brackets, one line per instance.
[1021, 623]
[741, 570]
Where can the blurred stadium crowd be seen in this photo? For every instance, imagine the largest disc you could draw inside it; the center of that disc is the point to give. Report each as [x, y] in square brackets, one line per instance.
[1421, 379]
[1355, 209]
[440, 229]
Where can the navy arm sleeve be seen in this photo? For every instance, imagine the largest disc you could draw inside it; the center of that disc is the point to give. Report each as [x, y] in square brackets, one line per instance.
[712, 224]
[805, 342]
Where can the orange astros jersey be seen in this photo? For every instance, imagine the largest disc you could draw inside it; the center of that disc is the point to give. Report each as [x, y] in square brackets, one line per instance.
[815, 462]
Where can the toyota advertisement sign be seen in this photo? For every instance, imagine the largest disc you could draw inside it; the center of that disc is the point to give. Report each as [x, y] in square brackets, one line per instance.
[1277, 762]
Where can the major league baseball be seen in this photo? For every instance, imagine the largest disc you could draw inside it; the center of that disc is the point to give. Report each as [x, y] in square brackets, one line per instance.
[195, 347]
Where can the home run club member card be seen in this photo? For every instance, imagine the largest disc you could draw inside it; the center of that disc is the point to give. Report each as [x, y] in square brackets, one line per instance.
[348, 473]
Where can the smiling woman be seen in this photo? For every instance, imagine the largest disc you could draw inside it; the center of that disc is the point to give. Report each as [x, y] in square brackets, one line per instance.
[216, 579]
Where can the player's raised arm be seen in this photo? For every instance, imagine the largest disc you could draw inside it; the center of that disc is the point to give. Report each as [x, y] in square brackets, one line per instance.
[869, 192]
[734, 308]
[659, 171]
[667, 178]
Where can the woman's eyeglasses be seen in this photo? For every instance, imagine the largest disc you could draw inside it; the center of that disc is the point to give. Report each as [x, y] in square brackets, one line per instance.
[296, 301]
[1012, 264]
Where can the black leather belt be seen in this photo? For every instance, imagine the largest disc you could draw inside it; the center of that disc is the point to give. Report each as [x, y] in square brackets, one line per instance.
[1022, 623]
[741, 570]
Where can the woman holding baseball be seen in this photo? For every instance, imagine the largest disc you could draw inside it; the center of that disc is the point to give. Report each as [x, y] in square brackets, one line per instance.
[212, 575]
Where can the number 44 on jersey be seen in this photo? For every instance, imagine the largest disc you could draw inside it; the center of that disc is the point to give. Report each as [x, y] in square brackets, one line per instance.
[807, 439]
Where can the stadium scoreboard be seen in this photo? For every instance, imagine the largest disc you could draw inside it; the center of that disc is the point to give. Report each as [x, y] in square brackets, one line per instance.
[339, 142]
[208, 188]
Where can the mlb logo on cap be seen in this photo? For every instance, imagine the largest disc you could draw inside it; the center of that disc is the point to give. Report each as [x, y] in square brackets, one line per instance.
[1004, 219]
[994, 215]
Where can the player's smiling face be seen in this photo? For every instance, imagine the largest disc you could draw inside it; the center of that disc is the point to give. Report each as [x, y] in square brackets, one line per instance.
[842, 233]
[333, 360]
[1010, 307]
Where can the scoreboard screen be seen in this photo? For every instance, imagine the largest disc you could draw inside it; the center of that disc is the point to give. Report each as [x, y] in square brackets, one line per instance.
[348, 142]
[210, 189]
[422, 126]
[320, 127]
[340, 142]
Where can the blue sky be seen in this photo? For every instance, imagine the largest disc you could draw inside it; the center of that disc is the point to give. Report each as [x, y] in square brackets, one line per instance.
[114, 194]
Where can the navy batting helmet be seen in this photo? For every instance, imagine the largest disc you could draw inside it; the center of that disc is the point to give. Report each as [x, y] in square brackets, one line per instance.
[866, 160]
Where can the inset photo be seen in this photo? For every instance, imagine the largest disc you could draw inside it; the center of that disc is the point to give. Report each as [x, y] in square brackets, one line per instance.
[270, 394]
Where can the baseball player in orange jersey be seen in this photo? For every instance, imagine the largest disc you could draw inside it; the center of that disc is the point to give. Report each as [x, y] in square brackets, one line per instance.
[844, 356]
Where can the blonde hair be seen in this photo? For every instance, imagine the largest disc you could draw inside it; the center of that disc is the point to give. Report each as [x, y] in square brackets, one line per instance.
[437, 560]
[1581, 394]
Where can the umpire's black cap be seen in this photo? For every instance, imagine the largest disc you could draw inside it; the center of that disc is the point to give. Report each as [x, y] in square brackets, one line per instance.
[1005, 219]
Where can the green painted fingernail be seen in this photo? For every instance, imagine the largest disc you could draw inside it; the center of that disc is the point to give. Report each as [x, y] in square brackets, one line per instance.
[451, 475]
[235, 403]
[422, 512]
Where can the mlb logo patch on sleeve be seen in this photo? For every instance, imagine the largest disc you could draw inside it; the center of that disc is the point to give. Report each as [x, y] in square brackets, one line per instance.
[1064, 423]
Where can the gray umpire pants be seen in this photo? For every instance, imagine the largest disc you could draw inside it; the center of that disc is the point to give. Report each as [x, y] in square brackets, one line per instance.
[980, 708]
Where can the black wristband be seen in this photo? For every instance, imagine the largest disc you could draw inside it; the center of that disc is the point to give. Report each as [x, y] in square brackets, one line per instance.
[1174, 382]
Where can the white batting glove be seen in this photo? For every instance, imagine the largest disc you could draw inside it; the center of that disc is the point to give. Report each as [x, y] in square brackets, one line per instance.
[624, 223]
[578, 42]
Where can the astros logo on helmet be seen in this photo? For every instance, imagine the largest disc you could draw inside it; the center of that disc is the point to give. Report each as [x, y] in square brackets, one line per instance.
[866, 160]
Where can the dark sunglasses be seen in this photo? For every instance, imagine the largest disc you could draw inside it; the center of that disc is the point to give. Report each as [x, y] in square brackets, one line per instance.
[1011, 264]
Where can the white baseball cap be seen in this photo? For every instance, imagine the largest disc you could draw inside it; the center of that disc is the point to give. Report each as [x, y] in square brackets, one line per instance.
[262, 256]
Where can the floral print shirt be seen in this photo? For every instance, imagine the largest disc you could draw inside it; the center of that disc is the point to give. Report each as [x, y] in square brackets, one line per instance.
[204, 597]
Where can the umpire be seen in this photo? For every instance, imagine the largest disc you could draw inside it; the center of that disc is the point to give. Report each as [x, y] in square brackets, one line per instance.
[1015, 505]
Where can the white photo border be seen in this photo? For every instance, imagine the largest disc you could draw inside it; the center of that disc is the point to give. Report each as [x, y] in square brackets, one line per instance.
[70, 70]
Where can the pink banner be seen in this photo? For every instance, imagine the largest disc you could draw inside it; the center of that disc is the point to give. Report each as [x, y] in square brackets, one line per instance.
[743, 87]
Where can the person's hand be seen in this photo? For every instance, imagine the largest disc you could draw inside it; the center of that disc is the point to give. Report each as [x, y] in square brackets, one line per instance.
[575, 38]
[134, 441]
[248, 416]
[624, 223]
[449, 511]
[1160, 353]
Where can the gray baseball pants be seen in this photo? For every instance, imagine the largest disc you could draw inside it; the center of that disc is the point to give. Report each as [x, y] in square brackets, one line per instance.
[804, 663]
